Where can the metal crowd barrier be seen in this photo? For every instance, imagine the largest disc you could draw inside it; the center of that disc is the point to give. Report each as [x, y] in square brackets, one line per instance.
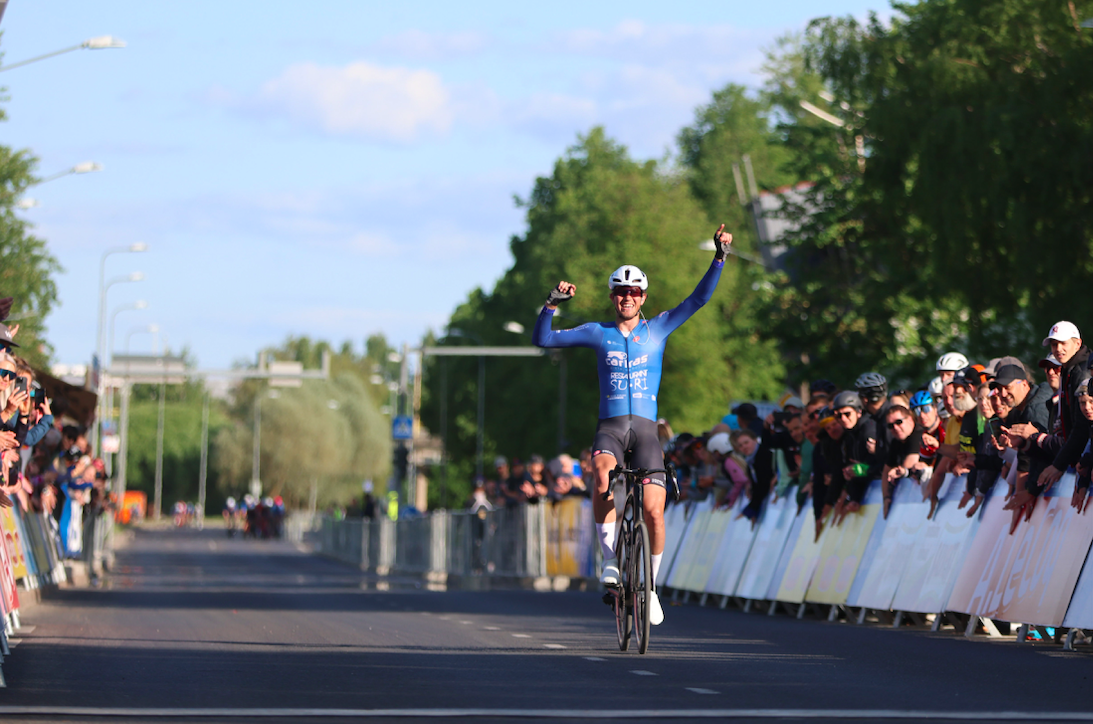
[507, 542]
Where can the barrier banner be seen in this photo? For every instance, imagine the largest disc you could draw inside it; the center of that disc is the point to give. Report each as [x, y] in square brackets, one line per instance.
[935, 562]
[696, 526]
[797, 525]
[883, 566]
[675, 523]
[24, 538]
[775, 524]
[733, 551]
[568, 550]
[842, 551]
[707, 547]
[1028, 577]
[802, 561]
[15, 544]
[9, 597]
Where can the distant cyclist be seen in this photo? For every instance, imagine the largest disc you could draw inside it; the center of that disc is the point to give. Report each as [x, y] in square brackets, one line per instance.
[629, 353]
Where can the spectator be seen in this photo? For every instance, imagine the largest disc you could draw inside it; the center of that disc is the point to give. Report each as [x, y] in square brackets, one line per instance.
[933, 434]
[903, 451]
[513, 494]
[827, 467]
[1053, 371]
[861, 460]
[731, 479]
[1066, 344]
[949, 364]
[479, 500]
[747, 416]
[533, 485]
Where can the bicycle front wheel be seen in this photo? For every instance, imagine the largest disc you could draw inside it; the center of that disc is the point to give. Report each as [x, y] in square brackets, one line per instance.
[640, 584]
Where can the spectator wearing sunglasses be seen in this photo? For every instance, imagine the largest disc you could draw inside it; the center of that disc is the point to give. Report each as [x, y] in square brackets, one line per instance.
[862, 461]
[12, 399]
[903, 450]
[933, 432]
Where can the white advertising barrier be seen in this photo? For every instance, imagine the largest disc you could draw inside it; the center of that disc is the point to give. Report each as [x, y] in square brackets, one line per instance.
[732, 552]
[675, 523]
[775, 525]
[1080, 612]
[1029, 576]
[803, 559]
[706, 553]
[882, 567]
[696, 526]
[931, 572]
[843, 547]
[797, 525]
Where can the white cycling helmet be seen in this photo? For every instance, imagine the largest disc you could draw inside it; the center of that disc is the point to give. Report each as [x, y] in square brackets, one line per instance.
[951, 362]
[937, 387]
[628, 275]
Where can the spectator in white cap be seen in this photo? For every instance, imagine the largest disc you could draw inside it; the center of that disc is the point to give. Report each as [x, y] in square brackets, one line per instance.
[1066, 344]
[949, 364]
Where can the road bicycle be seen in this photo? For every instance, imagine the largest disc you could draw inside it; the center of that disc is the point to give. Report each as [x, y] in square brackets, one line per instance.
[630, 597]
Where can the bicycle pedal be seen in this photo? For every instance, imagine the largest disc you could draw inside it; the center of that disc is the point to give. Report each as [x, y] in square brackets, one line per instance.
[609, 599]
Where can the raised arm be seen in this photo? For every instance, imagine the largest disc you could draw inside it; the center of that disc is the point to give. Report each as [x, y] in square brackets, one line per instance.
[586, 335]
[673, 318]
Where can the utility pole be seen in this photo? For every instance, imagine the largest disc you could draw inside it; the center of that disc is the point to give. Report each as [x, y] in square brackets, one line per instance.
[158, 511]
[202, 474]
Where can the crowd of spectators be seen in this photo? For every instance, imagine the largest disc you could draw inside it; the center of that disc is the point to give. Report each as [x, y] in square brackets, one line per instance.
[973, 419]
[513, 482]
[45, 466]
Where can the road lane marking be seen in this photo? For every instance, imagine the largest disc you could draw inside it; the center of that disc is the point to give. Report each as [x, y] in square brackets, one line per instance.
[697, 690]
[807, 714]
[594, 658]
[521, 636]
[465, 622]
[643, 672]
[553, 646]
[491, 628]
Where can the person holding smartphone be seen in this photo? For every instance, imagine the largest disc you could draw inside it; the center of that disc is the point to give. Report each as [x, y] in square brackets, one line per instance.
[35, 416]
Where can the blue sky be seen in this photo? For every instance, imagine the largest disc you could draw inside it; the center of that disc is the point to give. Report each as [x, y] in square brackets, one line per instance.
[335, 169]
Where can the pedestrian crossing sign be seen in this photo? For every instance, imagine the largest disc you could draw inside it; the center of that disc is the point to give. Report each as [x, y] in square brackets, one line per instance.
[402, 428]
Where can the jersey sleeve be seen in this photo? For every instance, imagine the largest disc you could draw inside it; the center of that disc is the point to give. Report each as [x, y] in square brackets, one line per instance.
[671, 320]
[586, 335]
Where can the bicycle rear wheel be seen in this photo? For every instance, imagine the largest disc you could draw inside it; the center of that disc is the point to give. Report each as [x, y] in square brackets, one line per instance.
[640, 584]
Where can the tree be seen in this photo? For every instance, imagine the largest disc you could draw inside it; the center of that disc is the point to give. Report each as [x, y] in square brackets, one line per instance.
[966, 220]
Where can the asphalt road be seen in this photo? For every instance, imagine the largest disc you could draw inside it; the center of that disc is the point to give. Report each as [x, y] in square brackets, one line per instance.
[192, 620]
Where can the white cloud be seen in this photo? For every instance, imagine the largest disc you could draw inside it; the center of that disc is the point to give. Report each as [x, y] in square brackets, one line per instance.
[360, 99]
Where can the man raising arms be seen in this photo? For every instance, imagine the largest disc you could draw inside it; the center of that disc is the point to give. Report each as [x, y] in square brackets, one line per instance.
[629, 353]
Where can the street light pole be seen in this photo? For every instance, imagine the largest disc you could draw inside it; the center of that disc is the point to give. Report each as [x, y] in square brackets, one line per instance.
[104, 286]
[203, 472]
[97, 43]
[108, 405]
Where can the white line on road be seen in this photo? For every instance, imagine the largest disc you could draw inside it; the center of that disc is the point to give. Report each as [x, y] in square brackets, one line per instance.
[642, 672]
[810, 714]
[553, 646]
[697, 690]
[521, 636]
[464, 622]
[594, 658]
[491, 628]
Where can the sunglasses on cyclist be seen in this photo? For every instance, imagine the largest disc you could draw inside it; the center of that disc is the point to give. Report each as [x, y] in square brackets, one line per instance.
[627, 292]
[8, 374]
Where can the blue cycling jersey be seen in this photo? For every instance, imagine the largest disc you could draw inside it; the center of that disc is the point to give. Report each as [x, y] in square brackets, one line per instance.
[629, 366]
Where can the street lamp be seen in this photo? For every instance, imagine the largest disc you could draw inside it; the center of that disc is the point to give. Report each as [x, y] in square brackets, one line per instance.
[101, 319]
[85, 167]
[108, 405]
[139, 304]
[100, 42]
[146, 329]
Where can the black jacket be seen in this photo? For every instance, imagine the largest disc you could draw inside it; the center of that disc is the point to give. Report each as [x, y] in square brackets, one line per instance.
[1037, 412]
[1073, 425]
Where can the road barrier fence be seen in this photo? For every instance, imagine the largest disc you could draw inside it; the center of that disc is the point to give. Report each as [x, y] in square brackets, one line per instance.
[970, 573]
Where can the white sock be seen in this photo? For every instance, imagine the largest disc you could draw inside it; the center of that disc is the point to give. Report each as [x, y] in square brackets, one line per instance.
[655, 557]
[606, 534]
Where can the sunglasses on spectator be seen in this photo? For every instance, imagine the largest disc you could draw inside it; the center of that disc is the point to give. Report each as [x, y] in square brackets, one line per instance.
[922, 409]
[896, 423]
[844, 413]
[8, 374]
[627, 292]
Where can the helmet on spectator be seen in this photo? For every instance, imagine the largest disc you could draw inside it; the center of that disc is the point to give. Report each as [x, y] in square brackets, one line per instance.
[827, 387]
[628, 275]
[846, 399]
[937, 387]
[719, 444]
[922, 398]
[951, 362]
[872, 386]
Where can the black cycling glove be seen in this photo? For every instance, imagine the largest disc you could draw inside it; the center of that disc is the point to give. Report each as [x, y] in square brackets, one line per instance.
[555, 297]
[721, 248]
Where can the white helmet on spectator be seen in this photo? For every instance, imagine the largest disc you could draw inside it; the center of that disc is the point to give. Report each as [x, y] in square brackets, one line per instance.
[719, 444]
[951, 362]
[937, 387]
[628, 275]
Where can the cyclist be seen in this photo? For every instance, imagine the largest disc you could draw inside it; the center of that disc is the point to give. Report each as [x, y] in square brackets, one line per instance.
[629, 352]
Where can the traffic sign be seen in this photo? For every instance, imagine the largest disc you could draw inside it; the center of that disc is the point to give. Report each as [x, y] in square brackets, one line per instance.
[402, 428]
